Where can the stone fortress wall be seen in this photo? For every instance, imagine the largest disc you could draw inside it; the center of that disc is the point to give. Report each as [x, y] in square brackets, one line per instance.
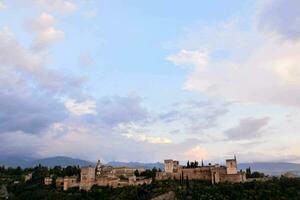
[214, 173]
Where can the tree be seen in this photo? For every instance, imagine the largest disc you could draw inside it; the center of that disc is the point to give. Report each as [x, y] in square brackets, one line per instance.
[196, 164]
[136, 173]
[248, 172]
[192, 164]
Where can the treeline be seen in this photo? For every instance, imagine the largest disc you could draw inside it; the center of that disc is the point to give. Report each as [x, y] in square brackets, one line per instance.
[9, 175]
[275, 189]
[148, 173]
[192, 164]
[255, 174]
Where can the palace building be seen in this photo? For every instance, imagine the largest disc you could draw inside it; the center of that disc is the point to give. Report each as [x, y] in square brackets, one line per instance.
[105, 175]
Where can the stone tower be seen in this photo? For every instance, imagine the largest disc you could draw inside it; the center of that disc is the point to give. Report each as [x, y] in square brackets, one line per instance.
[231, 165]
[171, 166]
[98, 168]
[87, 178]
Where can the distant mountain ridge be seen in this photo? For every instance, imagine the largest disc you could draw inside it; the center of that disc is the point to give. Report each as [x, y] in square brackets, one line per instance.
[270, 168]
[60, 160]
[49, 162]
[65, 161]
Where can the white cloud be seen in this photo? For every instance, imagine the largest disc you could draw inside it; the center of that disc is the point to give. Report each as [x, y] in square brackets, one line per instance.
[57, 5]
[44, 30]
[81, 108]
[186, 57]
[196, 153]
[147, 138]
[261, 70]
[2, 6]
[49, 36]
[31, 66]
[135, 132]
[44, 21]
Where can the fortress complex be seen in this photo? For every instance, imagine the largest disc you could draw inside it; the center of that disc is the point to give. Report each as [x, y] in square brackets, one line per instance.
[214, 173]
[105, 175]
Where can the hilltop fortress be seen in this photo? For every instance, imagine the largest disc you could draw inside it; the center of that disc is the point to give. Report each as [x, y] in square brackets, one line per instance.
[214, 173]
[106, 175]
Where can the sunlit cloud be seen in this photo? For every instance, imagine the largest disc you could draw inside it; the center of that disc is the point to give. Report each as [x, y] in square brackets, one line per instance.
[196, 153]
[81, 108]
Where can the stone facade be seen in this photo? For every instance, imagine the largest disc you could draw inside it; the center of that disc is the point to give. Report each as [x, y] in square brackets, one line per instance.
[87, 177]
[171, 166]
[231, 166]
[105, 175]
[214, 173]
[70, 182]
[126, 171]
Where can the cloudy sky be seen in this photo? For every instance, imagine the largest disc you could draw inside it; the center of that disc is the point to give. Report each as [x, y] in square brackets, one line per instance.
[132, 80]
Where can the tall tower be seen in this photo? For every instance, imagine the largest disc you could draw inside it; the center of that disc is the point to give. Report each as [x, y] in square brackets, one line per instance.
[231, 166]
[98, 168]
[171, 166]
[87, 178]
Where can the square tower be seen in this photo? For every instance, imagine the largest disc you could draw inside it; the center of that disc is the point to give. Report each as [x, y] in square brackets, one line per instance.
[171, 166]
[231, 166]
[87, 178]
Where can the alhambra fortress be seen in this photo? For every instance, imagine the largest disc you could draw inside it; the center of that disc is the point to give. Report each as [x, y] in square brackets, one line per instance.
[214, 173]
[105, 175]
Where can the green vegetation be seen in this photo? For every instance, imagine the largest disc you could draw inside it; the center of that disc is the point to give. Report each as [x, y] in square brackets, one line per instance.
[250, 174]
[273, 189]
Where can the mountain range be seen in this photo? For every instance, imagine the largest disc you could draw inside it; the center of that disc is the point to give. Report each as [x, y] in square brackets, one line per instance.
[270, 168]
[49, 162]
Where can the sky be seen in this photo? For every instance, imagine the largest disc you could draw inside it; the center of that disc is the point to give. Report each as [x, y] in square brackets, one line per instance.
[131, 80]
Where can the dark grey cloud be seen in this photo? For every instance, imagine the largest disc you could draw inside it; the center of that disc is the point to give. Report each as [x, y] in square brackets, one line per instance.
[248, 128]
[282, 17]
[30, 114]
